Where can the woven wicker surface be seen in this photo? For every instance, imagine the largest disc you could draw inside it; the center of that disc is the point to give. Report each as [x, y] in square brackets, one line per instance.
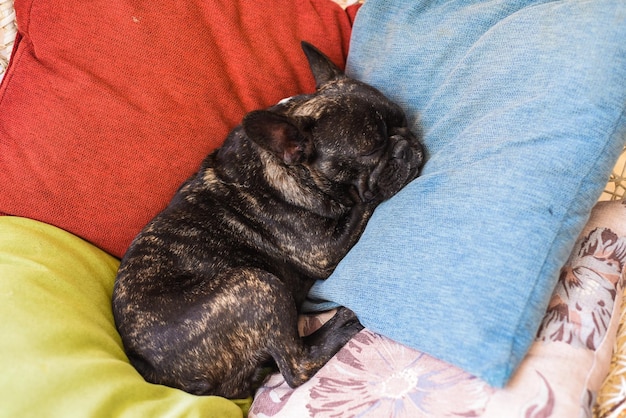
[7, 33]
[616, 186]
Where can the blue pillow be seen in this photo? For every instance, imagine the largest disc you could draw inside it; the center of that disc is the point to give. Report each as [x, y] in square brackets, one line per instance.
[522, 107]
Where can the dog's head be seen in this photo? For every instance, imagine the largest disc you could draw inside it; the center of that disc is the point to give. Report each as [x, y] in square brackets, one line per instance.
[347, 138]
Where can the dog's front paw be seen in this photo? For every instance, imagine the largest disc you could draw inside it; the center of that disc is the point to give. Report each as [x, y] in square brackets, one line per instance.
[346, 319]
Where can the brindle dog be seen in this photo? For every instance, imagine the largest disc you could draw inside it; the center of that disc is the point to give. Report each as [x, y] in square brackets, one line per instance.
[209, 292]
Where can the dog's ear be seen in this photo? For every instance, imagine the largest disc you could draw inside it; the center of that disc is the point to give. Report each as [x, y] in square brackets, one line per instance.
[323, 69]
[282, 136]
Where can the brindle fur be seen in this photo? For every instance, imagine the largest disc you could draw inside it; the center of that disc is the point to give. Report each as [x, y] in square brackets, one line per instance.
[208, 293]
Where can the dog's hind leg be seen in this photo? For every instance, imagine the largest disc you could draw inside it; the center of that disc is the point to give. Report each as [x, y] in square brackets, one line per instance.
[343, 325]
[300, 358]
[261, 317]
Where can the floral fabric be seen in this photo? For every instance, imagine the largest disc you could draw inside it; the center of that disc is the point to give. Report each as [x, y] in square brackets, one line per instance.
[611, 401]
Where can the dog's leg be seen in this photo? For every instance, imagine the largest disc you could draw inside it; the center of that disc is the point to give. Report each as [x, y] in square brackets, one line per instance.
[341, 325]
[300, 358]
[345, 234]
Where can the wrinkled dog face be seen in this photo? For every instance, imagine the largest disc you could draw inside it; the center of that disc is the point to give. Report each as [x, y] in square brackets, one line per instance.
[353, 141]
[376, 154]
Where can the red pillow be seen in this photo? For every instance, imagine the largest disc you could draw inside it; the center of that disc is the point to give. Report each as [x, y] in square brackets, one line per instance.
[109, 105]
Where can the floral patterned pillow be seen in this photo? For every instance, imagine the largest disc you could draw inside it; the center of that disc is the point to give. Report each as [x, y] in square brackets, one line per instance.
[374, 376]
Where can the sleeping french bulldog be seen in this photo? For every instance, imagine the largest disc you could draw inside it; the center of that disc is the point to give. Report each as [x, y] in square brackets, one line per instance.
[208, 294]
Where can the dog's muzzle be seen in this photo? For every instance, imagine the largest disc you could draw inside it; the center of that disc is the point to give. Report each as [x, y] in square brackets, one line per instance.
[400, 167]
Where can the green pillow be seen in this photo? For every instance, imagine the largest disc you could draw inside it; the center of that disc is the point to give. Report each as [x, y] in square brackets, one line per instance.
[60, 354]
